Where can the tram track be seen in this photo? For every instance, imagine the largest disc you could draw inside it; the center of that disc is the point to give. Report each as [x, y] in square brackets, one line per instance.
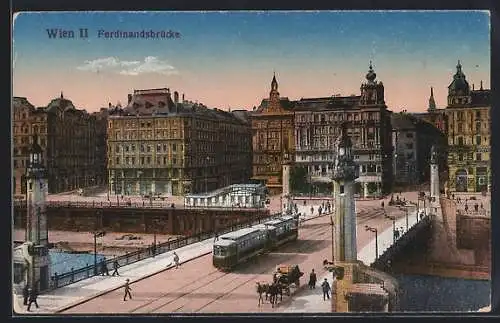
[234, 275]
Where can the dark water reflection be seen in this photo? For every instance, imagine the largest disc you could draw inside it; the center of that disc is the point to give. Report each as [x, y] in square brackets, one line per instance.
[436, 294]
[62, 262]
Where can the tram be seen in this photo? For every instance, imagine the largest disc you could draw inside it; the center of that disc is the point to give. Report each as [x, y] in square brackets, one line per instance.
[236, 247]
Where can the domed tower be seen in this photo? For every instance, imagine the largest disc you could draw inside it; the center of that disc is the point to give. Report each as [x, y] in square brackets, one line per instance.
[459, 89]
[372, 92]
[344, 174]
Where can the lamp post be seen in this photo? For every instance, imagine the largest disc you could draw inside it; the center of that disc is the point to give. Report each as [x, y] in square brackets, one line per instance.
[393, 219]
[332, 223]
[372, 229]
[96, 235]
[402, 208]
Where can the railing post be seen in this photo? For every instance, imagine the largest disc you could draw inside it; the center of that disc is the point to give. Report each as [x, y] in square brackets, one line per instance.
[56, 280]
[72, 277]
[88, 271]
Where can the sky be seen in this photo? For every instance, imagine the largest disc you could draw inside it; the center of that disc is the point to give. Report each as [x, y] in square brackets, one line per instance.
[227, 59]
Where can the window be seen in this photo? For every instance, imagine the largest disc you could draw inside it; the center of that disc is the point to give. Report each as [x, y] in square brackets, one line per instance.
[117, 160]
[127, 160]
[158, 147]
[478, 157]
[174, 147]
[470, 156]
[133, 160]
[478, 126]
[478, 140]
[478, 114]
[149, 160]
[117, 148]
[460, 141]
[142, 160]
[460, 157]
[165, 160]
[409, 145]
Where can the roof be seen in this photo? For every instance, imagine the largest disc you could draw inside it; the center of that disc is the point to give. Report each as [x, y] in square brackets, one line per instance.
[263, 227]
[326, 103]
[239, 234]
[481, 98]
[403, 121]
[223, 242]
[285, 103]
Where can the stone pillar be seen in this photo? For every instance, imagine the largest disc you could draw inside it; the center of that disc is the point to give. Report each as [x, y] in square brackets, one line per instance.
[365, 189]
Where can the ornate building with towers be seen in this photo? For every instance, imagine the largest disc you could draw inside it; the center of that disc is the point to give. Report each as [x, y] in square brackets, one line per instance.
[317, 125]
[468, 135]
[272, 137]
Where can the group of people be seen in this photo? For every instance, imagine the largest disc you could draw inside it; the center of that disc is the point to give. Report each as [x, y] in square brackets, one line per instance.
[325, 285]
[30, 296]
[104, 268]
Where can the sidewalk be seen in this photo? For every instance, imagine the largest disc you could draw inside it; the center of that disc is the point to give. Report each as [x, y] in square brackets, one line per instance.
[68, 296]
[311, 301]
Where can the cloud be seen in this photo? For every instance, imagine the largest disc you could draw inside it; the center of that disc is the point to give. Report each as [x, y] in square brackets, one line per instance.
[150, 65]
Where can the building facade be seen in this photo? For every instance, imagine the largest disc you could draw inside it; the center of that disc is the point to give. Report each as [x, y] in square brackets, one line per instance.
[317, 125]
[469, 147]
[272, 137]
[68, 137]
[159, 144]
[412, 139]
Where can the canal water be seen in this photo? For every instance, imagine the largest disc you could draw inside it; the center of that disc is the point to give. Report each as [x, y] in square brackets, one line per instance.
[62, 262]
[437, 294]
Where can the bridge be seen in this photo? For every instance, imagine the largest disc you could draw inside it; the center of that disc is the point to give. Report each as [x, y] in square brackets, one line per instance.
[375, 248]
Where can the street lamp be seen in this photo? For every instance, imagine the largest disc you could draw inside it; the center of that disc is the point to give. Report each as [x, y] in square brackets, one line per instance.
[402, 208]
[332, 223]
[393, 219]
[372, 229]
[97, 234]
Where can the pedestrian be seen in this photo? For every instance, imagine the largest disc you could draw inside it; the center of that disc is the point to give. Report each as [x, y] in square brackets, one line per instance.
[127, 290]
[476, 207]
[104, 269]
[176, 260]
[401, 230]
[312, 210]
[326, 289]
[304, 202]
[312, 279]
[382, 204]
[26, 294]
[33, 294]
[466, 207]
[482, 207]
[115, 267]
[216, 236]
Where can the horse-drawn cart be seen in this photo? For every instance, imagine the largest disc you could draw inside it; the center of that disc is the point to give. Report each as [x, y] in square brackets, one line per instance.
[287, 275]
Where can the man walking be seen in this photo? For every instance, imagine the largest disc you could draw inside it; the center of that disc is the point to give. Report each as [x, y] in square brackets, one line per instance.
[312, 279]
[176, 260]
[216, 236]
[326, 289]
[127, 290]
[115, 267]
[33, 294]
[26, 294]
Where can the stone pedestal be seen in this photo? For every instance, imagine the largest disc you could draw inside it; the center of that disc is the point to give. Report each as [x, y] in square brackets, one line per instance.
[435, 181]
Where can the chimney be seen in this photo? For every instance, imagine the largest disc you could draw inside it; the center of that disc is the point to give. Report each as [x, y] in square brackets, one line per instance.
[109, 105]
[472, 86]
[176, 97]
[129, 98]
[183, 97]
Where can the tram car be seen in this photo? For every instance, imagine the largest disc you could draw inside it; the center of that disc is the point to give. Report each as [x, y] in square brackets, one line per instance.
[236, 247]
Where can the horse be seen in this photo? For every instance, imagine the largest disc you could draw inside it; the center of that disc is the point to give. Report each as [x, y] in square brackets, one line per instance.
[275, 289]
[262, 288]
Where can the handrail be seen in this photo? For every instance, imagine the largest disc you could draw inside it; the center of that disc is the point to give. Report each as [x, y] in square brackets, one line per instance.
[73, 276]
